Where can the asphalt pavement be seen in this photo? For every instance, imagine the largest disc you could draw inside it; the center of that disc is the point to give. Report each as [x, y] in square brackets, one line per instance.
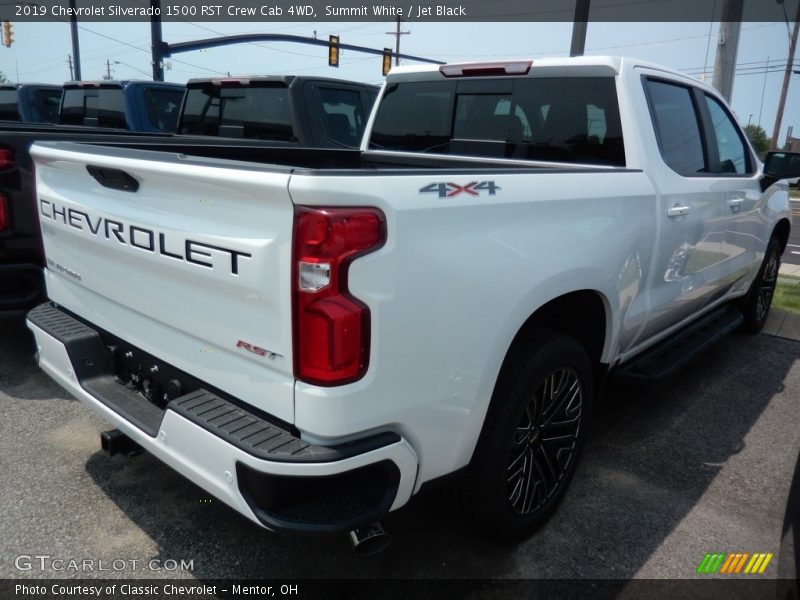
[703, 463]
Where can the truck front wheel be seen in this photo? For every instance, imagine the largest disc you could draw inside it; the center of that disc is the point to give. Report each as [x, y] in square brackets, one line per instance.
[759, 300]
[532, 437]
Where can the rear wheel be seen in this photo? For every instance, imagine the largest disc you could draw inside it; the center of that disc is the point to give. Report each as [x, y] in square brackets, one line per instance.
[532, 438]
[759, 299]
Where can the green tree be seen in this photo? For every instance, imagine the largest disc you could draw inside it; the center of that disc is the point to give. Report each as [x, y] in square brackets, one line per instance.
[758, 137]
[3, 78]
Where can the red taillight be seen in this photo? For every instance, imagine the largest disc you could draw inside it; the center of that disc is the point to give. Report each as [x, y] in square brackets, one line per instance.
[331, 327]
[5, 218]
[6, 159]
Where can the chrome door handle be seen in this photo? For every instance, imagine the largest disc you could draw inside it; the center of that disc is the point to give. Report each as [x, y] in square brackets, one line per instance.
[735, 202]
[677, 211]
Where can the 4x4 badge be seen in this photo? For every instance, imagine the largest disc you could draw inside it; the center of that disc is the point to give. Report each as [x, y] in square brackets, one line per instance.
[450, 190]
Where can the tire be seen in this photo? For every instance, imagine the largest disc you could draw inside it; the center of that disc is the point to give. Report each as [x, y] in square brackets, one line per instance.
[524, 460]
[759, 299]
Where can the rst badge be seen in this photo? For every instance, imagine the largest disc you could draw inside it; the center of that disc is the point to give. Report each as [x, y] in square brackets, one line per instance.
[451, 190]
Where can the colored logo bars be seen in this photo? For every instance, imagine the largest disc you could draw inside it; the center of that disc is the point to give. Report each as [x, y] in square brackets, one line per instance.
[731, 564]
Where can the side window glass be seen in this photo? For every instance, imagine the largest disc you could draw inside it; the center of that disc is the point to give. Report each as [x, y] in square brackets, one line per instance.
[163, 107]
[48, 102]
[343, 118]
[732, 151]
[677, 127]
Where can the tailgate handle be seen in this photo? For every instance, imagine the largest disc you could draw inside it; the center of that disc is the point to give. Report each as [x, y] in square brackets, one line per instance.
[116, 179]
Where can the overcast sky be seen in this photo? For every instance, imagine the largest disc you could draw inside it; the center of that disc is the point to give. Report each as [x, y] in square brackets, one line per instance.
[40, 51]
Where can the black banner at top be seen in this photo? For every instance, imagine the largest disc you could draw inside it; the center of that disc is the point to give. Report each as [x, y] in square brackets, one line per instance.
[389, 10]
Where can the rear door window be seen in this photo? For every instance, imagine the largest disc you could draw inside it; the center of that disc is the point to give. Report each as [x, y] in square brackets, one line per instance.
[561, 119]
[677, 126]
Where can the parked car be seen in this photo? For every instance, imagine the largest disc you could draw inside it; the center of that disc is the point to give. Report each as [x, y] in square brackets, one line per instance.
[144, 106]
[29, 102]
[788, 162]
[314, 336]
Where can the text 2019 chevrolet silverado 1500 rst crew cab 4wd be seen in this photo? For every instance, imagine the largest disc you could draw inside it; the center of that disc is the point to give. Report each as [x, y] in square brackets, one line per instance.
[314, 337]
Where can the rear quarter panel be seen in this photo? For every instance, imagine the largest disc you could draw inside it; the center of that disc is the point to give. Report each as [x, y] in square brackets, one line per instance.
[457, 279]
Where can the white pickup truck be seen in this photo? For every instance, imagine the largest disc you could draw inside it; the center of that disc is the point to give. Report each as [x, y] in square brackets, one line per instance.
[314, 336]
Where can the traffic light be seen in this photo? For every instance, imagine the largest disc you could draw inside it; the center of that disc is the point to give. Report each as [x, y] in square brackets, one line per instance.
[387, 61]
[333, 51]
[8, 33]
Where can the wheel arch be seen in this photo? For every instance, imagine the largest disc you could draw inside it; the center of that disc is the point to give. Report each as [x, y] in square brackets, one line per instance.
[582, 314]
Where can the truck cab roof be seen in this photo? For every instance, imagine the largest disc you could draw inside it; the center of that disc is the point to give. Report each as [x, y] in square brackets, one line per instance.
[532, 67]
[119, 83]
[285, 79]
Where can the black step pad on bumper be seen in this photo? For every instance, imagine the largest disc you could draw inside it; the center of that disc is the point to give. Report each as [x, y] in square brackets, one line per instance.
[262, 439]
[665, 358]
[91, 366]
[226, 419]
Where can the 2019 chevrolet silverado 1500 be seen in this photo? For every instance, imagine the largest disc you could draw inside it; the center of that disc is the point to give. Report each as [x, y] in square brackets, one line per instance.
[313, 337]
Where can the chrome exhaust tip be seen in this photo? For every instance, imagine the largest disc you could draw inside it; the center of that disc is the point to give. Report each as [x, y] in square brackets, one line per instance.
[369, 539]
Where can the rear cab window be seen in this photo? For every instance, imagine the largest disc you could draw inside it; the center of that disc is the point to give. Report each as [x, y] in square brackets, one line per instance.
[260, 110]
[95, 106]
[557, 119]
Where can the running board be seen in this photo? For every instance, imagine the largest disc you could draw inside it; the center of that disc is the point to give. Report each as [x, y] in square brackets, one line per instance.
[667, 357]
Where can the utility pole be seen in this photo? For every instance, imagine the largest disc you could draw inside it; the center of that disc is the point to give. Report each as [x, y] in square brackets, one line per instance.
[728, 47]
[579, 26]
[786, 77]
[71, 72]
[76, 50]
[397, 34]
[108, 69]
[157, 43]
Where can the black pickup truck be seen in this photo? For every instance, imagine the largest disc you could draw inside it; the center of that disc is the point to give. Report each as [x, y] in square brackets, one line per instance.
[315, 112]
[296, 112]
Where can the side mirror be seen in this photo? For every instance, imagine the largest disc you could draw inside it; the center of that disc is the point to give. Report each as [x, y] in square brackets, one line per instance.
[780, 165]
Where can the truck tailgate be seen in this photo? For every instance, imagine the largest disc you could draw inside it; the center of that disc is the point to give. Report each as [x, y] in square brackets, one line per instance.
[187, 261]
